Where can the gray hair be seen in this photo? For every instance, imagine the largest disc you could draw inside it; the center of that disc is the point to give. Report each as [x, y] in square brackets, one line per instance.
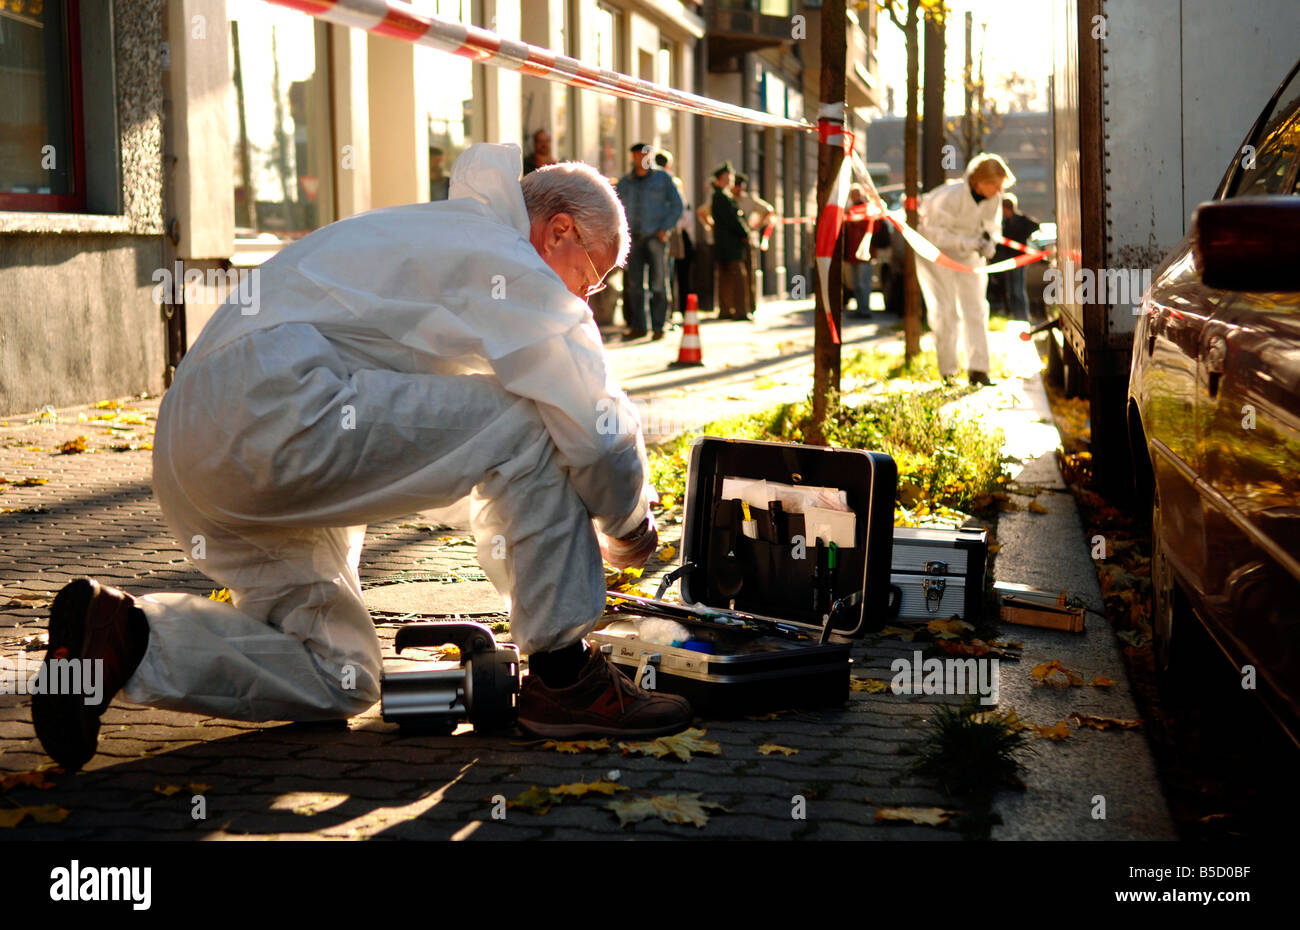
[581, 191]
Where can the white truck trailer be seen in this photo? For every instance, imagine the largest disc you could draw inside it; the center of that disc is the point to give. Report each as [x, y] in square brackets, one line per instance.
[1151, 98]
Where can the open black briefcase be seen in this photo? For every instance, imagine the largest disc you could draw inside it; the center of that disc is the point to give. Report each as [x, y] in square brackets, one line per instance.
[785, 555]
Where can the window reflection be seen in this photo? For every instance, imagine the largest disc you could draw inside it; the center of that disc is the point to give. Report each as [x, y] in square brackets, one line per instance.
[281, 136]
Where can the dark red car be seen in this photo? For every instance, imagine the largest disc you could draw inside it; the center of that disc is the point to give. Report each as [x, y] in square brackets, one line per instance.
[1214, 417]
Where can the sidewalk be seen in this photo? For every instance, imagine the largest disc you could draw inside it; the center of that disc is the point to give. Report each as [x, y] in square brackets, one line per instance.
[95, 515]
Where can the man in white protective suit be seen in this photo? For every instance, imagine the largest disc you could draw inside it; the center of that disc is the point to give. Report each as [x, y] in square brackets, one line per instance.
[963, 218]
[396, 361]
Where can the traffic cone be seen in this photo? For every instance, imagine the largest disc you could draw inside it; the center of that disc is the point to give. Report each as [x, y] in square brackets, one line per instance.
[689, 353]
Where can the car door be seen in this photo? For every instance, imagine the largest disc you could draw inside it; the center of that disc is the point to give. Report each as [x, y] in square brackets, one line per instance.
[1249, 407]
[1176, 310]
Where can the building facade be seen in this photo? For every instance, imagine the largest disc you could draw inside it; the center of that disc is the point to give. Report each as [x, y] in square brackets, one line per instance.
[152, 152]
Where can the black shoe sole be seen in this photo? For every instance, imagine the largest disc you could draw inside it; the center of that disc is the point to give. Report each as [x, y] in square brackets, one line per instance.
[67, 728]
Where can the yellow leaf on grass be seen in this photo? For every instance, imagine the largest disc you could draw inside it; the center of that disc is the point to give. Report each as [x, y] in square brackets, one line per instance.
[1104, 723]
[578, 789]
[73, 446]
[681, 745]
[768, 749]
[670, 808]
[25, 780]
[951, 628]
[869, 685]
[926, 816]
[1035, 507]
[576, 746]
[1056, 732]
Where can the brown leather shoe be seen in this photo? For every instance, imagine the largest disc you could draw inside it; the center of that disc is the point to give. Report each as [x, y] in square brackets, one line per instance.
[89, 623]
[603, 702]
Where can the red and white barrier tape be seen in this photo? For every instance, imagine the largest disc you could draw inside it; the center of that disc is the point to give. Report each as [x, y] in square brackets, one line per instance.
[399, 20]
[926, 249]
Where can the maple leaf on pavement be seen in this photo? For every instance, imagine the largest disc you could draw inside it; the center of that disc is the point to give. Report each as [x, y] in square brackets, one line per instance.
[670, 808]
[681, 745]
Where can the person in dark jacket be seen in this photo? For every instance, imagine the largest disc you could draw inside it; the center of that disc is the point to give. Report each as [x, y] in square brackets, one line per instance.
[730, 239]
[1017, 227]
[653, 208]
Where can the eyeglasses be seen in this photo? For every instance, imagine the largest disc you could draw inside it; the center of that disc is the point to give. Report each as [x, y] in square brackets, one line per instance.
[600, 285]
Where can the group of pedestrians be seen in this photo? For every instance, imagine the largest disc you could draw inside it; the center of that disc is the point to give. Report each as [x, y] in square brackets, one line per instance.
[965, 218]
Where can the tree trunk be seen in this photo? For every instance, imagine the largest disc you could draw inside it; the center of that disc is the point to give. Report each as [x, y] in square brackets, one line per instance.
[932, 126]
[911, 290]
[826, 353]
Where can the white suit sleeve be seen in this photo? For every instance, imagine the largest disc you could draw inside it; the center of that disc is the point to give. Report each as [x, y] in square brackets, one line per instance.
[593, 424]
[944, 225]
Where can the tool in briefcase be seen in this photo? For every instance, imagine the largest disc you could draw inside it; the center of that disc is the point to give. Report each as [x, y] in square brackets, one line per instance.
[785, 552]
[939, 572]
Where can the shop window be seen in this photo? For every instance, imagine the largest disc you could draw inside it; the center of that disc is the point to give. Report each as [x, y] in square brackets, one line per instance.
[451, 104]
[42, 160]
[281, 134]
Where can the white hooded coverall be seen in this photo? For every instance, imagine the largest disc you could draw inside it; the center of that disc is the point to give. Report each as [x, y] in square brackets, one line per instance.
[953, 221]
[397, 361]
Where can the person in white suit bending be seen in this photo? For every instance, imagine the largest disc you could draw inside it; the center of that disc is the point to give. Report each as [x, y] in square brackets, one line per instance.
[397, 361]
[964, 219]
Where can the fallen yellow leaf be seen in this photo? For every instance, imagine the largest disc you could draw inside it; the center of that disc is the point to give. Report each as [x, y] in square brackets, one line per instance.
[1008, 717]
[1035, 507]
[667, 553]
[1104, 723]
[73, 446]
[1055, 674]
[768, 749]
[25, 779]
[1099, 682]
[576, 746]
[578, 789]
[45, 813]
[1056, 732]
[952, 628]
[223, 595]
[535, 800]
[681, 745]
[926, 816]
[670, 808]
[869, 685]
[166, 790]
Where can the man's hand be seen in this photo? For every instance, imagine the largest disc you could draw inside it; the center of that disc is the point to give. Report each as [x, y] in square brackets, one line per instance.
[662, 235]
[987, 247]
[634, 549]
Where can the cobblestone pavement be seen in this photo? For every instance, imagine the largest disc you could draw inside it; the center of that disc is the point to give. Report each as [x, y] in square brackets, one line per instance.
[94, 514]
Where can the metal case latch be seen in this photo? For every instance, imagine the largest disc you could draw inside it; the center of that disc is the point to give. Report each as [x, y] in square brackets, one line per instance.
[934, 587]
